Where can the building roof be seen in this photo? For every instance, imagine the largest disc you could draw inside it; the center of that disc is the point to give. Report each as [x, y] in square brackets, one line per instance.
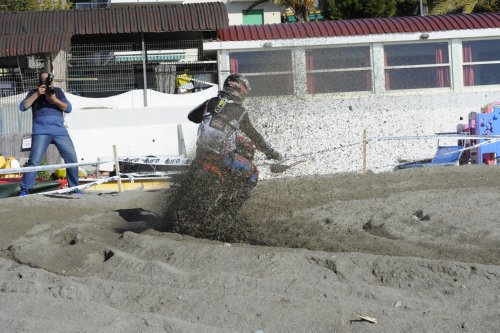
[370, 26]
[46, 31]
[12, 45]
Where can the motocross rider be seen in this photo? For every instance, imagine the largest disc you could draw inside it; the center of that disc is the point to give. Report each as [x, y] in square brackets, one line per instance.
[226, 137]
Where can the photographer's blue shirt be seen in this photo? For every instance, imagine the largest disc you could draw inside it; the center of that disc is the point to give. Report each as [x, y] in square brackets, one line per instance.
[48, 118]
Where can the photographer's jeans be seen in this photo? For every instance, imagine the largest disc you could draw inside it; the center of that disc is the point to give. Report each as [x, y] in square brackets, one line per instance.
[39, 145]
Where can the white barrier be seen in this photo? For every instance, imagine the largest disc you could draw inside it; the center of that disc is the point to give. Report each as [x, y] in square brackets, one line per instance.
[490, 139]
[82, 187]
[436, 136]
[48, 167]
[493, 139]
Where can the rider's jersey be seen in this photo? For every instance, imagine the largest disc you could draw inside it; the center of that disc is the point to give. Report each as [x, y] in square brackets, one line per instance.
[218, 131]
[226, 129]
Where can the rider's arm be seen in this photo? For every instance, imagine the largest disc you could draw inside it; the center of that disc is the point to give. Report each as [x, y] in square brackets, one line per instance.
[196, 115]
[261, 144]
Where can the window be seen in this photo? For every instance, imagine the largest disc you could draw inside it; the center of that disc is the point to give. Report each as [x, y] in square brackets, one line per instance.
[335, 70]
[481, 61]
[416, 66]
[269, 72]
[254, 16]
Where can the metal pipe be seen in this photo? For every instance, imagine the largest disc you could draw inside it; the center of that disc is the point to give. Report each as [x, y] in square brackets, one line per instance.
[47, 167]
[144, 70]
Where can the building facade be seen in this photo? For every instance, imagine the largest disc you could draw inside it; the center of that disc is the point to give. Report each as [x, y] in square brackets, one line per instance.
[239, 11]
[317, 86]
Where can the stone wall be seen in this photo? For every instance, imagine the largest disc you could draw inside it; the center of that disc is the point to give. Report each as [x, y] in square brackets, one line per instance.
[298, 126]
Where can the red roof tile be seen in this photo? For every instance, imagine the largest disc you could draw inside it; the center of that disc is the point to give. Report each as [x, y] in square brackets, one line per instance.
[13, 45]
[360, 27]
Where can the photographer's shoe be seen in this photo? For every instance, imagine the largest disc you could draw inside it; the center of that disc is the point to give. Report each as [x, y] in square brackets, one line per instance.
[24, 193]
[77, 191]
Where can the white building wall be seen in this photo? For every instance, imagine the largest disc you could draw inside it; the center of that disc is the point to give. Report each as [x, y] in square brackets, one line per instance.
[272, 12]
[235, 10]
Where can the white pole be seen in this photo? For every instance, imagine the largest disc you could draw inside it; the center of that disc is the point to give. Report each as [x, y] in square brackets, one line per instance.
[117, 169]
[181, 142]
[364, 151]
[144, 69]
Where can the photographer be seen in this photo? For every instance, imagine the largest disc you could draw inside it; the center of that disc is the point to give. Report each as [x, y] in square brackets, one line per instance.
[48, 105]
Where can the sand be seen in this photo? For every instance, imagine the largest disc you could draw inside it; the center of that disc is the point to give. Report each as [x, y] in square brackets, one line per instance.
[418, 250]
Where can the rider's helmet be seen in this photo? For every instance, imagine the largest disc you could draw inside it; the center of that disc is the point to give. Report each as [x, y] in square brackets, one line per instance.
[236, 87]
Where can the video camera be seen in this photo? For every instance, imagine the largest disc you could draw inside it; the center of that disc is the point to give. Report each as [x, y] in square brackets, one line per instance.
[48, 81]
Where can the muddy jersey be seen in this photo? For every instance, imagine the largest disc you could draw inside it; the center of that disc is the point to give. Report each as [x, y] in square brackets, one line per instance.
[225, 128]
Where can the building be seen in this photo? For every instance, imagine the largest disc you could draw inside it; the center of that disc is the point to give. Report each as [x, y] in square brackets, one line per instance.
[102, 52]
[317, 86]
[265, 12]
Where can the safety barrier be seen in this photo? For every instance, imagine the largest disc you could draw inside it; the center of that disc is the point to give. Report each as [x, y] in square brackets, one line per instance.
[490, 139]
[366, 141]
[48, 167]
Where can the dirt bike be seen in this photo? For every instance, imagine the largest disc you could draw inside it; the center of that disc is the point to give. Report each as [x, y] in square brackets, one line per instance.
[208, 198]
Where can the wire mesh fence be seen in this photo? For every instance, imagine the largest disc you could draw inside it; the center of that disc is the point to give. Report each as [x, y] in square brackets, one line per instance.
[15, 126]
[101, 70]
[107, 69]
[14, 84]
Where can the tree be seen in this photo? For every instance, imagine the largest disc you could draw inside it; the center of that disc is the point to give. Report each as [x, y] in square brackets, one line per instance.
[25, 5]
[300, 8]
[409, 7]
[462, 6]
[353, 9]
[349, 9]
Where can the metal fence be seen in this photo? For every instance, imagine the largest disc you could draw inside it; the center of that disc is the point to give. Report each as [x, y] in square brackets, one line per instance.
[101, 70]
[109, 69]
[14, 124]
[14, 84]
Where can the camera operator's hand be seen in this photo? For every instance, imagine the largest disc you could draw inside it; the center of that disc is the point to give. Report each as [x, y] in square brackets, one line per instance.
[41, 90]
[51, 98]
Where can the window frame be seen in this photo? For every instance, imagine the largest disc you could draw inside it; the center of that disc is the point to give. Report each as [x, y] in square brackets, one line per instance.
[339, 70]
[463, 63]
[292, 72]
[455, 81]
[449, 65]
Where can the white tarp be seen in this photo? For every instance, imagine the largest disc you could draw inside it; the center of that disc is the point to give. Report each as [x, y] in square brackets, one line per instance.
[96, 124]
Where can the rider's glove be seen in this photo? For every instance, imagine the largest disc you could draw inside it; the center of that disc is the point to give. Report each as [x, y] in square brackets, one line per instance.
[275, 155]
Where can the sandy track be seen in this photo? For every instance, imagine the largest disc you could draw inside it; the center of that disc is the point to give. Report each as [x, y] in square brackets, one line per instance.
[418, 250]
